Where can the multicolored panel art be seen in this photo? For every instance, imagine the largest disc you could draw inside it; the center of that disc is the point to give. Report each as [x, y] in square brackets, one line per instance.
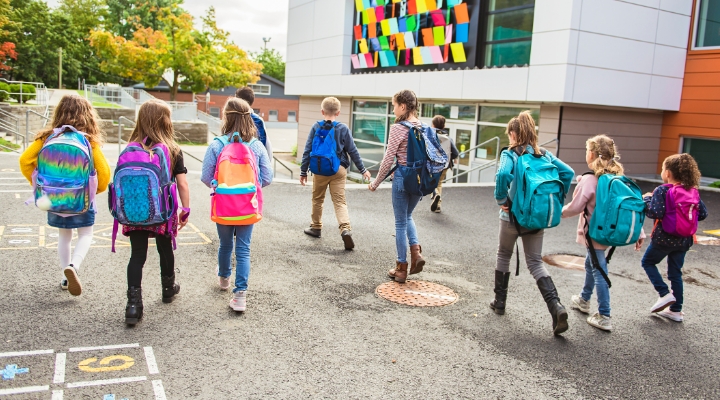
[396, 33]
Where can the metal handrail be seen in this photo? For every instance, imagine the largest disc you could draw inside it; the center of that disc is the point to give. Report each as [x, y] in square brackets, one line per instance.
[456, 168]
[284, 166]
[27, 124]
[188, 154]
[121, 127]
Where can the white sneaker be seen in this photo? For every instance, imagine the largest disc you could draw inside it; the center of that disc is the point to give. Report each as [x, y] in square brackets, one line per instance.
[238, 301]
[600, 321]
[673, 315]
[74, 285]
[581, 304]
[663, 303]
[224, 283]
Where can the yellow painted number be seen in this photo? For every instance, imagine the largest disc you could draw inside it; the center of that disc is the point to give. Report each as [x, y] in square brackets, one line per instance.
[85, 365]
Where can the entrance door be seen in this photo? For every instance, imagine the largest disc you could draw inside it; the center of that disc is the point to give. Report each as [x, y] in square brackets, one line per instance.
[463, 135]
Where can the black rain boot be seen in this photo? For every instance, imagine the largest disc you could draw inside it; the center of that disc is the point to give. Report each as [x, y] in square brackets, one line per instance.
[169, 288]
[501, 288]
[134, 308]
[557, 310]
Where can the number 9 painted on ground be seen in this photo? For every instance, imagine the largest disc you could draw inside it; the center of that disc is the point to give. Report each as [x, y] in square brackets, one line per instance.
[85, 365]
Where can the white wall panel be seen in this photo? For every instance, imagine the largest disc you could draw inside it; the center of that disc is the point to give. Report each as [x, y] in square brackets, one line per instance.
[441, 85]
[329, 18]
[665, 93]
[554, 15]
[331, 47]
[669, 61]
[298, 69]
[673, 29]
[300, 51]
[616, 18]
[496, 84]
[358, 85]
[386, 85]
[548, 83]
[615, 53]
[556, 47]
[300, 24]
[646, 3]
[327, 66]
[613, 88]
[683, 7]
[295, 3]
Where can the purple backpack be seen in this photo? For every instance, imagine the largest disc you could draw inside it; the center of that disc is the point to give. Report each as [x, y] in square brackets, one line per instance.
[143, 192]
[681, 210]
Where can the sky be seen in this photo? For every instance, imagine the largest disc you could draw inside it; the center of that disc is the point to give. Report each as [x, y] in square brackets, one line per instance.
[248, 21]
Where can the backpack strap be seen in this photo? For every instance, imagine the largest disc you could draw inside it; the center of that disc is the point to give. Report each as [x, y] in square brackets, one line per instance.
[591, 250]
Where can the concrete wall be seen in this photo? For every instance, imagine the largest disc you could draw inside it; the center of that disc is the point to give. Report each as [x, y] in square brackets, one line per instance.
[195, 132]
[636, 134]
[548, 126]
[310, 114]
[115, 113]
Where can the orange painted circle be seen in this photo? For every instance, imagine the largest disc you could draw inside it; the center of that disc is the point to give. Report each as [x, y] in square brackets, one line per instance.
[417, 293]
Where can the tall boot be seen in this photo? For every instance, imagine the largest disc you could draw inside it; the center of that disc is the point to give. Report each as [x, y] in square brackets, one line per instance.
[400, 272]
[134, 308]
[501, 288]
[417, 262]
[557, 310]
[169, 288]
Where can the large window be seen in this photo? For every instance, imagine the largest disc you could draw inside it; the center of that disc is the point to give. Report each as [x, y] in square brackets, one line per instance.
[292, 116]
[707, 24]
[492, 122]
[261, 89]
[463, 112]
[273, 116]
[370, 124]
[705, 152]
[509, 32]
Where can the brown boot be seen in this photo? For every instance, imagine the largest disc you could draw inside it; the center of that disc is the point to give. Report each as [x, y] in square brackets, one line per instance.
[416, 259]
[399, 273]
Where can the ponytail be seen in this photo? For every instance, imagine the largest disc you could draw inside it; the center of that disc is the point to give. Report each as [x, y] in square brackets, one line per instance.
[524, 127]
[607, 158]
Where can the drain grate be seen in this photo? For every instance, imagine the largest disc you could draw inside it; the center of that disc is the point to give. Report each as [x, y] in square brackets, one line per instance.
[417, 293]
[567, 261]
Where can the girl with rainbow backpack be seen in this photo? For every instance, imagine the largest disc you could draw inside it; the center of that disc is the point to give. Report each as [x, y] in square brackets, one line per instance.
[236, 167]
[67, 168]
[143, 198]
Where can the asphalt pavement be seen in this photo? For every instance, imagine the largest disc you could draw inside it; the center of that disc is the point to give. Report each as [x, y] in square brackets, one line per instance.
[315, 328]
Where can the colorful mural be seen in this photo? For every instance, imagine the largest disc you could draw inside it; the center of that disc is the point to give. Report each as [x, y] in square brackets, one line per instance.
[407, 33]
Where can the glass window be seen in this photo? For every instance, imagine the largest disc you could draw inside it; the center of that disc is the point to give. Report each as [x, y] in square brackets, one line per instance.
[450, 111]
[486, 133]
[371, 154]
[503, 115]
[705, 152]
[256, 111]
[501, 4]
[273, 116]
[489, 116]
[215, 112]
[260, 89]
[375, 107]
[707, 30]
[510, 25]
[371, 128]
[509, 54]
[509, 32]
[292, 116]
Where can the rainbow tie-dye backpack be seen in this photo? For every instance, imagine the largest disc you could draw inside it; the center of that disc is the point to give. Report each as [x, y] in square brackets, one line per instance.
[237, 195]
[65, 172]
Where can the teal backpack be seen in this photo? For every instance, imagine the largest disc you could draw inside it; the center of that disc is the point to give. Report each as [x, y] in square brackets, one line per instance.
[618, 217]
[539, 192]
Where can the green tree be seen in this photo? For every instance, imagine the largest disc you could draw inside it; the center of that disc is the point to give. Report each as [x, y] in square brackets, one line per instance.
[195, 59]
[272, 62]
[126, 16]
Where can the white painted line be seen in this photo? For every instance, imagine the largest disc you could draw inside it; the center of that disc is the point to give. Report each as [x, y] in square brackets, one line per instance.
[15, 191]
[110, 347]
[159, 390]
[59, 368]
[26, 353]
[26, 389]
[106, 382]
[57, 395]
[150, 358]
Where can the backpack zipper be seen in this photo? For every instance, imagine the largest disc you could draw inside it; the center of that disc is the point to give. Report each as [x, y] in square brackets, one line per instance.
[552, 209]
[632, 228]
[690, 212]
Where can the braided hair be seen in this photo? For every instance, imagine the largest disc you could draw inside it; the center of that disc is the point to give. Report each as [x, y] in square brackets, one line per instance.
[410, 101]
[607, 158]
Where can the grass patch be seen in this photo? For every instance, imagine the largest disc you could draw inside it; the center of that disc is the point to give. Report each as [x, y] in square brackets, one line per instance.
[186, 143]
[5, 143]
[715, 184]
[98, 101]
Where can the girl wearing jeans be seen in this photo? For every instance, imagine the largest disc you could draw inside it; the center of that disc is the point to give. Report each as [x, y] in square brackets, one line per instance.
[236, 118]
[405, 107]
[602, 157]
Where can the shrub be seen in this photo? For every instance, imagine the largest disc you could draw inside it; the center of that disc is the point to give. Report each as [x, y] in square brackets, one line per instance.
[4, 91]
[294, 150]
[28, 93]
[715, 184]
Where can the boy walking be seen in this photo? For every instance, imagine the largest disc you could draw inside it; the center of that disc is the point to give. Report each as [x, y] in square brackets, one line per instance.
[438, 122]
[337, 135]
[248, 95]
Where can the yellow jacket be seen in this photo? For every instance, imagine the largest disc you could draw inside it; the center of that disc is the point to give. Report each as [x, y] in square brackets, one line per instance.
[28, 163]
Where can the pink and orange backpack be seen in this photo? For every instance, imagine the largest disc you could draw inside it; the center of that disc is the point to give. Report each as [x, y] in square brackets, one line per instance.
[237, 195]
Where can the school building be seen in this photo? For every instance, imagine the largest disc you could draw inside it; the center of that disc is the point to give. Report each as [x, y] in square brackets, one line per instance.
[646, 72]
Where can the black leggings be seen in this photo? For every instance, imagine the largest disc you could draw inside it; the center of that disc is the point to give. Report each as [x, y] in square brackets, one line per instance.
[139, 249]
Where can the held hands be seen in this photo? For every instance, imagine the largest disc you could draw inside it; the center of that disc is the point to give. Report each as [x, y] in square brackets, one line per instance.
[638, 244]
[303, 180]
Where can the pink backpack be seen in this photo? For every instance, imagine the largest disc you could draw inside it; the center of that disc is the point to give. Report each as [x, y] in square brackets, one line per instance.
[681, 210]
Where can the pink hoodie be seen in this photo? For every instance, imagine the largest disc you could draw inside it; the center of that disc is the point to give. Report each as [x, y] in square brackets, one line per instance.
[584, 196]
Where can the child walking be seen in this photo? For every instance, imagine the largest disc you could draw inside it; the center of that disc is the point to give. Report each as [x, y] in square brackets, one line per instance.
[438, 122]
[343, 151]
[602, 157]
[70, 148]
[675, 225]
[523, 140]
[155, 135]
[237, 121]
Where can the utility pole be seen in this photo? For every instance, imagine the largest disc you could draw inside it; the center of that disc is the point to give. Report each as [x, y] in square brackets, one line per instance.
[60, 68]
[266, 40]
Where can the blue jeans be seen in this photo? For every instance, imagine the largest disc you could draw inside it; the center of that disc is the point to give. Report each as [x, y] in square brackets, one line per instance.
[242, 234]
[593, 278]
[676, 258]
[403, 206]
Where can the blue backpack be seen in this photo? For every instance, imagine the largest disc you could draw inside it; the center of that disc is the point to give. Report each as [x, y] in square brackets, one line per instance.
[324, 160]
[426, 160]
[539, 192]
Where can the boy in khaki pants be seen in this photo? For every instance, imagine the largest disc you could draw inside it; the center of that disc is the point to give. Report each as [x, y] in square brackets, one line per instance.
[346, 150]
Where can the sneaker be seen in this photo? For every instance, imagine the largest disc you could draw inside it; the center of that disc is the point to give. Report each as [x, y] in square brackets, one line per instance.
[434, 207]
[63, 284]
[224, 283]
[581, 304]
[74, 286]
[676, 316]
[313, 232]
[346, 236]
[238, 302]
[600, 321]
[663, 303]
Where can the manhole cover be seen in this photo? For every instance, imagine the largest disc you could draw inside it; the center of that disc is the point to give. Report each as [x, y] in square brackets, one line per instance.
[566, 261]
[417, 293]
[708, 241]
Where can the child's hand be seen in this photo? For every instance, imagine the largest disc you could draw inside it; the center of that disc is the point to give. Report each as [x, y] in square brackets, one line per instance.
[370, 187]
[638, 244]
[367, 176]
[303, 180]
[182, 220]
[505, 208]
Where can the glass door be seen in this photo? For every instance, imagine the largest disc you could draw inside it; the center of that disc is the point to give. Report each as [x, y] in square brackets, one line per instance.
[463, 136]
